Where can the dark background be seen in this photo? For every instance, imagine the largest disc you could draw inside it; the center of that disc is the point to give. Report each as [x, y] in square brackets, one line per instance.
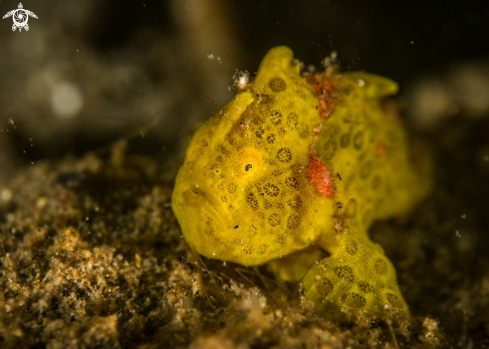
[142, 72]
[145, 63]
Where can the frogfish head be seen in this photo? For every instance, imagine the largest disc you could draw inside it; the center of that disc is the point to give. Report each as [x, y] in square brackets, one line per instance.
[242, 194]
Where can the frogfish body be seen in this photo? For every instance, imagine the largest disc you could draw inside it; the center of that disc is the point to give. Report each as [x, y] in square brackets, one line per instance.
[293, 171]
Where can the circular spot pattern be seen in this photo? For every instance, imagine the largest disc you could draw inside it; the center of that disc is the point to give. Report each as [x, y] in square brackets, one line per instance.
[358, 140]
[366, 169]
[345, 140]
[232, 188]
[215, 168]
[324, 286]
[353, 300]
[292, 182]
[277, 85]
[345, 273]
[281, 239]
[275, 117]
[274, 219]
[394, 300]
[252, 201]
[209, 231]
[252, 231]
[276, 173]
[259, 133]
[271, 190]
[284, 155]
[329, 149]
[295, 202]
[366, 287]
[293, 221]
[304, 133]
[270, 138]
[292, 119]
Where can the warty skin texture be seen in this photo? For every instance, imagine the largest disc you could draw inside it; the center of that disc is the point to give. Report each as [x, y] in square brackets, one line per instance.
[294, 170]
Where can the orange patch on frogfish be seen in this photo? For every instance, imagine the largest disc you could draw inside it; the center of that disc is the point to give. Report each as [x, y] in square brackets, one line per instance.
[326, 91]
[320, 176]
[380, 149]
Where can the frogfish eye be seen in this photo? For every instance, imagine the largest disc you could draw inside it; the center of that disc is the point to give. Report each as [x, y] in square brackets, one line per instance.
[246, 163]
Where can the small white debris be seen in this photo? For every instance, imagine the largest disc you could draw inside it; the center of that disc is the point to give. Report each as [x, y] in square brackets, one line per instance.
[10, 218]
[41, 202]
[6, 195]
[431, 326]
[457, 234]
[361, 83]
[241, 79]
[66, 100]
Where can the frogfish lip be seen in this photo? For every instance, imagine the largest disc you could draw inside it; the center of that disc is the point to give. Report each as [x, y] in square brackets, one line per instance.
[193, 205]
[194, 196]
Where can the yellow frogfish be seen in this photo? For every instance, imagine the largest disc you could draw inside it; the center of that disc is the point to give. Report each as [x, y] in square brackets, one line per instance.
[293, 171]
